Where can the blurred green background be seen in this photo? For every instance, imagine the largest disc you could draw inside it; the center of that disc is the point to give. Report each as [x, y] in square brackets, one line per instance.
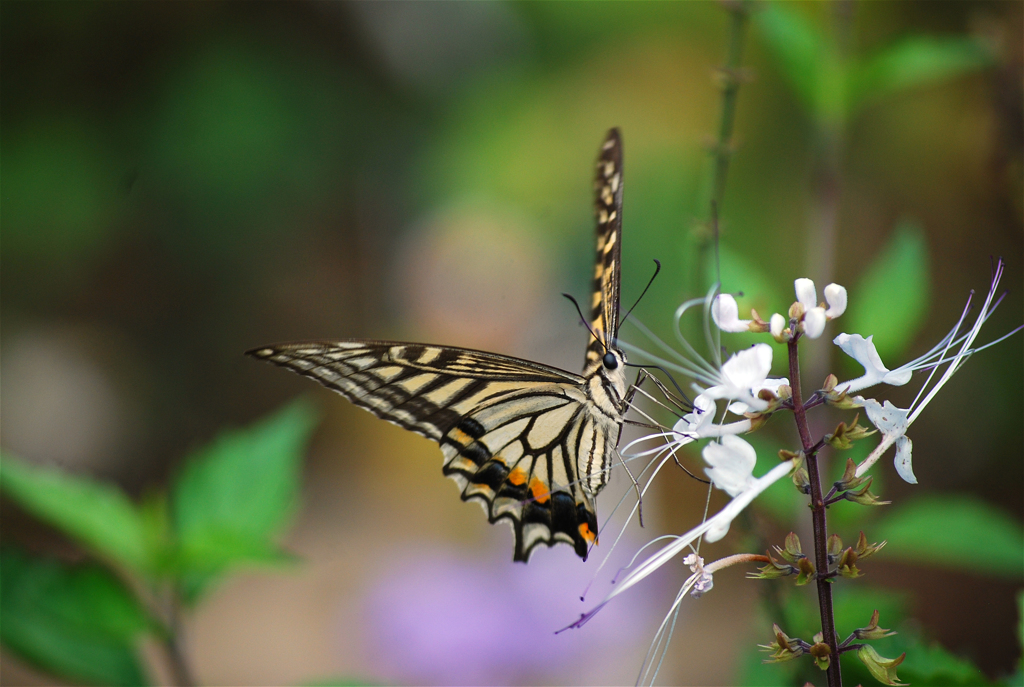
[180, 182]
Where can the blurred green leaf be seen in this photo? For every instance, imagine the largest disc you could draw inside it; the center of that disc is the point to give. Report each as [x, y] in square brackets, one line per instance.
[916, 61]
[891, 299]
[60, 190]
[235, 494]
[739, 274]
[796, 44]
[932, 665]
[80, 622]
[954, 531]
[98, 515]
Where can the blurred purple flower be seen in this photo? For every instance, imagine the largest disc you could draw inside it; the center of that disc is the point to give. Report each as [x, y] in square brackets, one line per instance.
[442, 618]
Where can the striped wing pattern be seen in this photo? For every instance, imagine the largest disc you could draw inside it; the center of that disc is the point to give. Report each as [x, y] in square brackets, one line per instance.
[515, 434]
[608, 212]
[531, 443]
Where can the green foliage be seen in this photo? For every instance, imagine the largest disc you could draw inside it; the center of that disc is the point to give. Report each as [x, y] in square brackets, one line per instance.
[802, 55]
[954, 531]
[80, 622]
[833, 86]
[98, 515]
[927, 664]
[234, 495]
[229, 501]
[915, 61]
[891, 297]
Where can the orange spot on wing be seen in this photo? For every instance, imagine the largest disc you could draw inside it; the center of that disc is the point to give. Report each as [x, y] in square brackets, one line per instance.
[587, 535]
[540, 491]
[517, 477]
[460, 436]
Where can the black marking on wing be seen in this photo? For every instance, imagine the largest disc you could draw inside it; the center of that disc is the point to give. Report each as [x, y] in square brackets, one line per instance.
[607, 268]
[481, 408]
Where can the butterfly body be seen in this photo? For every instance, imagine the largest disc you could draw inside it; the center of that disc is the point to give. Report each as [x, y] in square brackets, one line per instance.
[531, 443]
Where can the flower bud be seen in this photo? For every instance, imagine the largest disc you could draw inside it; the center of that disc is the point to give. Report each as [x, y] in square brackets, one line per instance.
[783, 648]
[865, 497]
[881, 668]
[835, 547]
[777, 326]
[821, 652]
[872, 631]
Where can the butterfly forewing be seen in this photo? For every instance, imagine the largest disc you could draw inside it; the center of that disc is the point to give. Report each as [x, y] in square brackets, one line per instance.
[510, 429]
[608, 211]
[530, 442]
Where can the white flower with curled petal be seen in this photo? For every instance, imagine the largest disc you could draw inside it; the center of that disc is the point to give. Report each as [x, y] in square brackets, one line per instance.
[835, 296]
[771, 384]
[894, 422]
[726, 314]
[864, 352]
[816, 316]
[741, 374]
[732, 463]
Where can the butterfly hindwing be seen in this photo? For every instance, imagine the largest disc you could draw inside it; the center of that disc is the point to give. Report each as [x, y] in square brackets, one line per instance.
[531, 443]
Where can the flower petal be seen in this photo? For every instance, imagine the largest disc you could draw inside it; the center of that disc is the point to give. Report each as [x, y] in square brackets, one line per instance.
[806, 293]
[732, 463]
[904, 469]
[725, 313]
[814, 322]
[835, 296]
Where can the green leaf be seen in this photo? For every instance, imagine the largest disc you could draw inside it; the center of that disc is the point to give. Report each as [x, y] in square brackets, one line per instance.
[234, 495]
[954, 531]
[916, 61]
[80, 622]
[98, 515]
[797, 46]
[933, 664]
[760, 292]
[891, 299]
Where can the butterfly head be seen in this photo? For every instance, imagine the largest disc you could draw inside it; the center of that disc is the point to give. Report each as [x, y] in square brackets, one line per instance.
[611, 373]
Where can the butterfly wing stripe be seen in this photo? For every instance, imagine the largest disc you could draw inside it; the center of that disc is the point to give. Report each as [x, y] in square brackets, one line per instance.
[530, 442]
[607, 268]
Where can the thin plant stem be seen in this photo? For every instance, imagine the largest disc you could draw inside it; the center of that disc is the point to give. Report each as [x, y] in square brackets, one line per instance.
[818, 520]
[174, 644]
[722, 149]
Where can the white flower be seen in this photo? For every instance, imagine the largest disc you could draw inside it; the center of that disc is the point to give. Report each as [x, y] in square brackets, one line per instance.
[816, 316]
[835, 296]
[776, 326]
[864, 352]
[894, 422]
[806, 293]
[714, 528]
[814, 322]
[725, 312]
[732, 463]
[742, 373]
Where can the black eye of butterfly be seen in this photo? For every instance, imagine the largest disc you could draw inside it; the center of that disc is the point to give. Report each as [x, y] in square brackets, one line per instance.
[610, 361]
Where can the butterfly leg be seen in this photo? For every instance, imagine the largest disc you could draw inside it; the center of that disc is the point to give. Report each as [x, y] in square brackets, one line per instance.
[640, 377]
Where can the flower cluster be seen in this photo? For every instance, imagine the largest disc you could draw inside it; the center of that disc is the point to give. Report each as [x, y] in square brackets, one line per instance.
[750, 396]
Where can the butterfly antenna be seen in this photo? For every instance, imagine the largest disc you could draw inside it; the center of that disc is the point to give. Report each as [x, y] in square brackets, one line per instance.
[644, 292]
[584, 321]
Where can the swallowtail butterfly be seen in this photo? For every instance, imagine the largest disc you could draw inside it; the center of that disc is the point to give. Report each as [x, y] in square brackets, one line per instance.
[532, 443]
